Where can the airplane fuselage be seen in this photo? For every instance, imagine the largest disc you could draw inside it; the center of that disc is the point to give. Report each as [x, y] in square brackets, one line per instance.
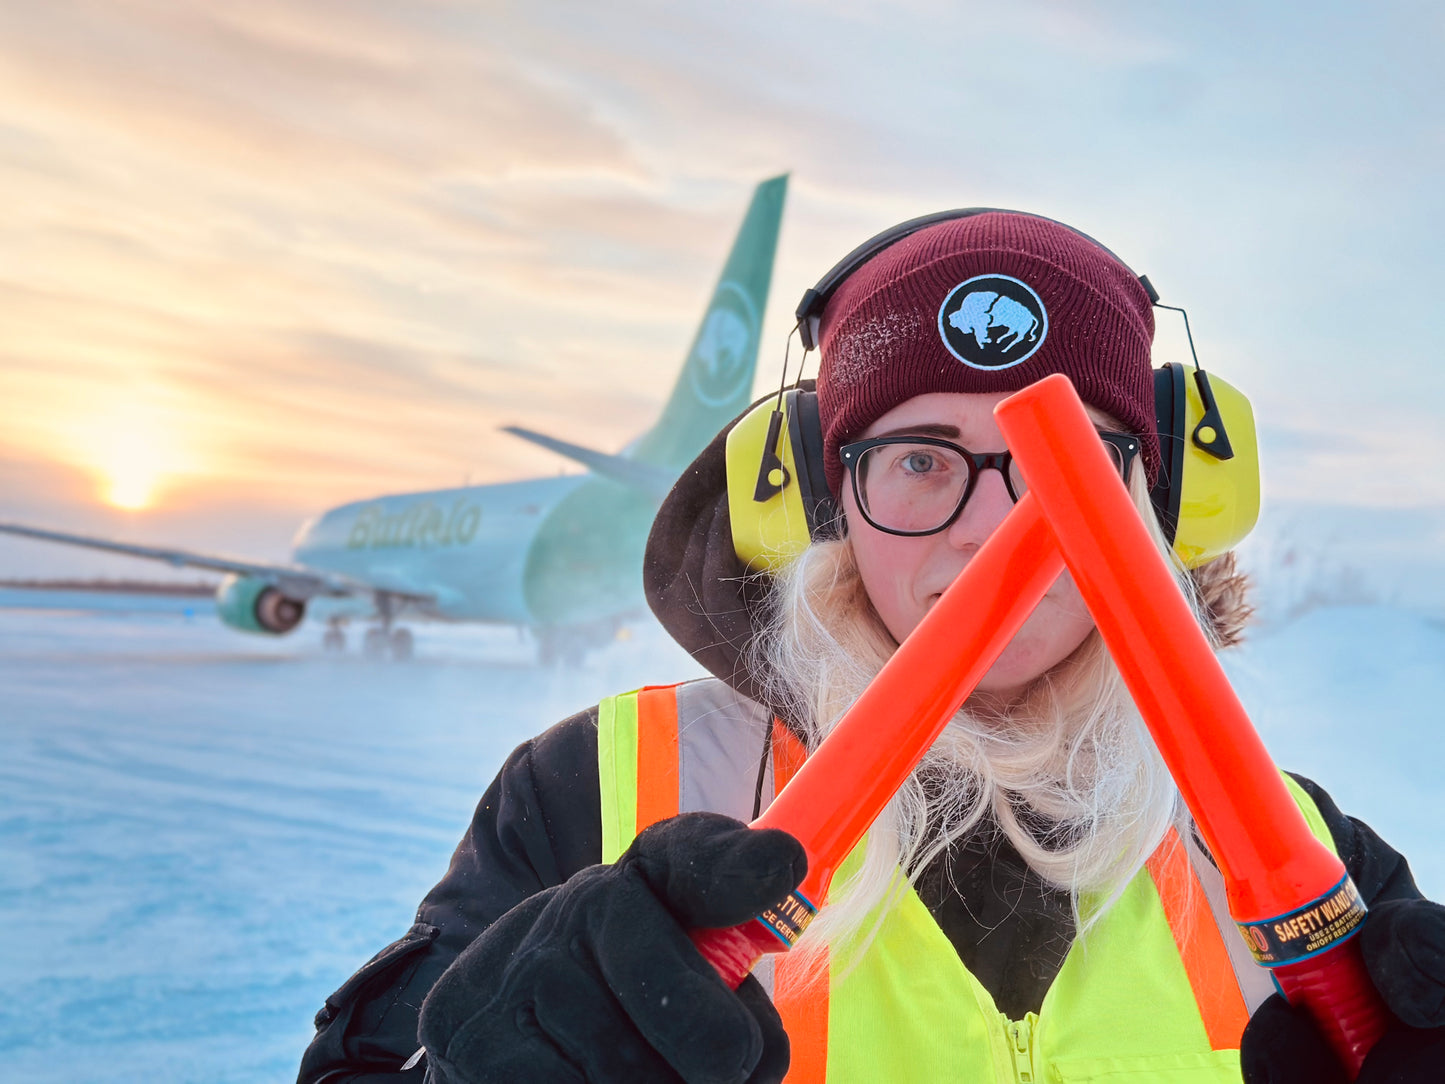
[465, 547]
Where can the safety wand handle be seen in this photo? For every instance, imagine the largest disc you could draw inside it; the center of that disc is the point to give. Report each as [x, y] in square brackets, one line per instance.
[1288, 893]
[733, 950]
[1336, 990]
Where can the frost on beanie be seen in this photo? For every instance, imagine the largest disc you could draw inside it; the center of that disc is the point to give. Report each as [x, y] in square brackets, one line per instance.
[987, 303]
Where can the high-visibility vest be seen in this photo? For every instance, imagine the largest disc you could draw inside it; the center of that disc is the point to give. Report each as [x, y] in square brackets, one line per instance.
[1159, 990]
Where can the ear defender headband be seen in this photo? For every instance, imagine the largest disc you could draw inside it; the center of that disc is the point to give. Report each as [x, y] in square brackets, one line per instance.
[1206, 496]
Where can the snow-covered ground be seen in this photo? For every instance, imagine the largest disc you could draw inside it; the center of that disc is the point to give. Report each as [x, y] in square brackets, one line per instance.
[203, 833]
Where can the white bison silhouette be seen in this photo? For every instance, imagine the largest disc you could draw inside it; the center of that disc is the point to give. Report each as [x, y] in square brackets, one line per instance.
[984, 310]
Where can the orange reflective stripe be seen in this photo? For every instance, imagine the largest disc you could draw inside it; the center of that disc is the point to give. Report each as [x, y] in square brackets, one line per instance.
[1206, 960]
[657, 760]
[803, 1008]
[804, 1011]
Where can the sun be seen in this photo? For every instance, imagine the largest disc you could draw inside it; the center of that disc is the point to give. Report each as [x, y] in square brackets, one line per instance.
[135, 459]
[132, 491]
[129, 446]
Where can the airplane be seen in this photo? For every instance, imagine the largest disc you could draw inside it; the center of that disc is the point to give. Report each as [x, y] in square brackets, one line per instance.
[559, 556]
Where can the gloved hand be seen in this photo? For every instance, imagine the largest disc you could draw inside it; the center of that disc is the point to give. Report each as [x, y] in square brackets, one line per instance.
[596, 980]
[1403, 944]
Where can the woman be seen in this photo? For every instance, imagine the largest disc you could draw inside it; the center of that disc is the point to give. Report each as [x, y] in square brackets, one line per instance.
[1024, 908]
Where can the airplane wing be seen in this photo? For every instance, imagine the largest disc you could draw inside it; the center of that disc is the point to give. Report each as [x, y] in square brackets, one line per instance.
[654, 481]
[296, 581]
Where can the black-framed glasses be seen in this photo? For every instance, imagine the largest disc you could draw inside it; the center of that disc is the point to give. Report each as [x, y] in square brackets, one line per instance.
[918, 485]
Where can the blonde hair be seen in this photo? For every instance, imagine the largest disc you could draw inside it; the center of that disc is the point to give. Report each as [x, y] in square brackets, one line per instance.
[1066, 771]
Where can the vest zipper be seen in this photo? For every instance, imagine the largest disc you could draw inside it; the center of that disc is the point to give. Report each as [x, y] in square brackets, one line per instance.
[1021, 1041]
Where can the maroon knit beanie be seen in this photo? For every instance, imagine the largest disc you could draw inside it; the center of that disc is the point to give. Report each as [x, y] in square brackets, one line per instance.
[991, 302]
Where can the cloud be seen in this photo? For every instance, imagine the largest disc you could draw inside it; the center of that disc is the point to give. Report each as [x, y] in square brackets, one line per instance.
[325, 87]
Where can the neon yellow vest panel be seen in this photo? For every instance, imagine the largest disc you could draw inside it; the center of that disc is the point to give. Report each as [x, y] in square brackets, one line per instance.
[1120, 1011]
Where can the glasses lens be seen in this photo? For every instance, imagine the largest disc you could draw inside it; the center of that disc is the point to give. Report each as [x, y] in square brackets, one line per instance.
[906, 486]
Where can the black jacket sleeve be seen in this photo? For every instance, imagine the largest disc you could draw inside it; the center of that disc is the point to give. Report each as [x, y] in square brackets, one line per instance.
[537, 824]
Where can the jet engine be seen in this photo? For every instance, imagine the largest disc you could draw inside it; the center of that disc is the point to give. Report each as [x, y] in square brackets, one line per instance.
[253, 605]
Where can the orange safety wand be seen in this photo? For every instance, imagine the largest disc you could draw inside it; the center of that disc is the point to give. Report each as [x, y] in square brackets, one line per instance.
[843, 786]
[1289, 894]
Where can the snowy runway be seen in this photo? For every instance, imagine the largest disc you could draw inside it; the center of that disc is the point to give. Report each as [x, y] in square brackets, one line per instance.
[203, 834]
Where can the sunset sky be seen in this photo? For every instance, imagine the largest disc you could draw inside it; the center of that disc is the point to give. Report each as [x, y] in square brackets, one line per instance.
[259, 259]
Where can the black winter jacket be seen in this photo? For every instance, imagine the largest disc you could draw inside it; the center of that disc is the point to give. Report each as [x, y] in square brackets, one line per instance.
[539, 823]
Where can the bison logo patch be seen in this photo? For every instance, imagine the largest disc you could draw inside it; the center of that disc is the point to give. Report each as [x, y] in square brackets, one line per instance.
[992, 322]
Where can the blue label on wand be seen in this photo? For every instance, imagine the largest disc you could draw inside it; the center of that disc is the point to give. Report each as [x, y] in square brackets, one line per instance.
[787, 920]
[1318, 925]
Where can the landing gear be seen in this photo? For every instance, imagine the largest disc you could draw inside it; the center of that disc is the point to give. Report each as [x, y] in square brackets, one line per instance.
[401, 645]
[334, 642]
[381, 641]
[373, 644]
[384, 639]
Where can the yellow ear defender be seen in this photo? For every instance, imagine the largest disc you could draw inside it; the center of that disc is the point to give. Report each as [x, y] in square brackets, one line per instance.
[1207, 492]
[1206, 496]
[778, 499]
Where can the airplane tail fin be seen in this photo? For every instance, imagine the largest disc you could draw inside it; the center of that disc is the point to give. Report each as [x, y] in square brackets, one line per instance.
[716, 382]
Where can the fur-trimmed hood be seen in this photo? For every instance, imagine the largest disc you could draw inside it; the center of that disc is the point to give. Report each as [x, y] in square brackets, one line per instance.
[695, 583]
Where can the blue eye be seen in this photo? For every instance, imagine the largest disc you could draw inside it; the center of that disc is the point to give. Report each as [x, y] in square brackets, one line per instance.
[918, 463]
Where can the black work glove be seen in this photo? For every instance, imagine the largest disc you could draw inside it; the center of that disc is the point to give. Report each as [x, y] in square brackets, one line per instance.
[1403, 944]
[596, 980]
